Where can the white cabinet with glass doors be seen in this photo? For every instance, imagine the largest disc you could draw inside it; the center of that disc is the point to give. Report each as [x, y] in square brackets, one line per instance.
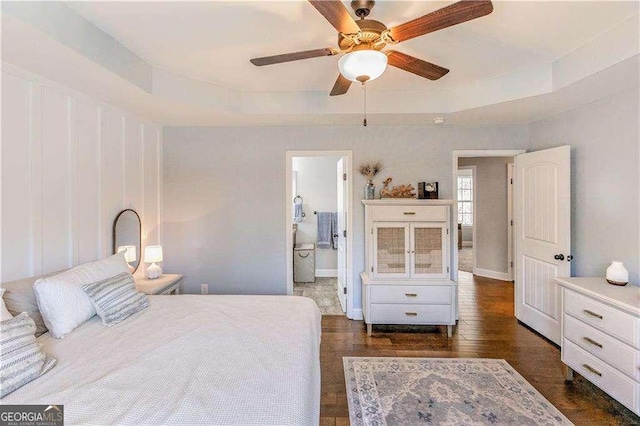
[408, 275]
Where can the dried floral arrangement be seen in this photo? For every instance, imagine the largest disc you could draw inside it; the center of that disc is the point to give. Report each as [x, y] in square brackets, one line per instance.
[402, 191]
[370, 170]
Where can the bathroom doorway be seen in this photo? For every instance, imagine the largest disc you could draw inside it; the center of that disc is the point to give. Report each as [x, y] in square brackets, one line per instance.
[318, 224]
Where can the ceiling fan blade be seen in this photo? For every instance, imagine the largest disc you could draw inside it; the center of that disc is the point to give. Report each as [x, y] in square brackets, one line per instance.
[296, 56]
[337, 15]
[414, 65]
[341, 86]
[454, 14]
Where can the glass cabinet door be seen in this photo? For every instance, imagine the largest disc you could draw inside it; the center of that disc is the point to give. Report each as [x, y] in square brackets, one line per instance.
[429, 250]
[391, 250]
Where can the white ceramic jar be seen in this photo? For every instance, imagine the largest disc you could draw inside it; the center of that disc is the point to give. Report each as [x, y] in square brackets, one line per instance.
[617, 274]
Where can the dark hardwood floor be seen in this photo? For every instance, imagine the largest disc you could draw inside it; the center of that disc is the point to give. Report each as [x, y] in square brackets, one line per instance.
[487, 329]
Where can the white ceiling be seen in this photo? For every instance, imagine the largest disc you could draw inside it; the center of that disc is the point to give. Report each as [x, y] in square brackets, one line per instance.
[524, 62]
[213, 41]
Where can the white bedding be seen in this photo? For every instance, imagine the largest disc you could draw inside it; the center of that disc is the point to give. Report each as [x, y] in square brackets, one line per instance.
[189, 360]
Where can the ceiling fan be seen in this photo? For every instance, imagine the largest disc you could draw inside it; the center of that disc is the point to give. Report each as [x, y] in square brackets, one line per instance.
[362, 41]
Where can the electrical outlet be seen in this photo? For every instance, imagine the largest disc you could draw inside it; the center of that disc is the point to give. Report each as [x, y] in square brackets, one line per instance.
[204, 288]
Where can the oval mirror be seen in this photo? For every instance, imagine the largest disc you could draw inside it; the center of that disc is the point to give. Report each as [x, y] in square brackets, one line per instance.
[127, 231]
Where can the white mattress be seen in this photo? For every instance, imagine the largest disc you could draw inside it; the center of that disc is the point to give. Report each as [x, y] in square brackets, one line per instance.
[189, 360]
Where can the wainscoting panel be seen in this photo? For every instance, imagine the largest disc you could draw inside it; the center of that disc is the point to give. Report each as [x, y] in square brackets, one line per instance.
[134, 163]
[90, 238]
[57, 185]
[16, 177]
[69, 164]
[152, 185]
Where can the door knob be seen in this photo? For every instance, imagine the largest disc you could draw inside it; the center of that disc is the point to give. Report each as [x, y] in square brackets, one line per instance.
[559, 257]
[569, 258]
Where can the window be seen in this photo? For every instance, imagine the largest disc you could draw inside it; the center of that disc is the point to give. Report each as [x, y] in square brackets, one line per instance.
[465, 197]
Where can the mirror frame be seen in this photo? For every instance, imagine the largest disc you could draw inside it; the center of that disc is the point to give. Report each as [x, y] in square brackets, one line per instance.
[113, 234]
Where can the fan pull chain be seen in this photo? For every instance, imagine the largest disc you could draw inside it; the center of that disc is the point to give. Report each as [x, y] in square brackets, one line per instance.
[364, 121]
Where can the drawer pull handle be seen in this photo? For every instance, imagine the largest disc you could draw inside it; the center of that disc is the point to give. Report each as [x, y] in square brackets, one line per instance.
[593, 314]
[592, 370]
[593, 342]
[411, 294]
[409, 213]
[411, 314]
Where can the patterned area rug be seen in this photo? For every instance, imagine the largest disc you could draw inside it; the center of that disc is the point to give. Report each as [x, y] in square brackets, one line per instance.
[409, 391]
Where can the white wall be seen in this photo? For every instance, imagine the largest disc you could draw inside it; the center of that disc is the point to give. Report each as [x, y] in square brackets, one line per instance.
[605, 159]
[317, 185]
[224, 191]
[69, 164]
[491, 243]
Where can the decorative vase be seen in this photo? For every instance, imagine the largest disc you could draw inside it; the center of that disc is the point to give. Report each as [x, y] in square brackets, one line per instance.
[617, 274]
[369, 191]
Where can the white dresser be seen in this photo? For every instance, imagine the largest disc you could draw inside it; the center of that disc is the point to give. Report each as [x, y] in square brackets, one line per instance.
[601, 336]
[408, 263]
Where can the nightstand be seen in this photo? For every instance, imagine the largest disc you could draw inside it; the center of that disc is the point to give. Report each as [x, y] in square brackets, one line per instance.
[164, 284]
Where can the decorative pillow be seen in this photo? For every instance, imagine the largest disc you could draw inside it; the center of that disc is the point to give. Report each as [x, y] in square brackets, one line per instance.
[116, 298]
[22, 359]
[4, 312]
[63, 304]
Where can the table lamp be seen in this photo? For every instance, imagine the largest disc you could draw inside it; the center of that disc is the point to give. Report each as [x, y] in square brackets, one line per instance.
[130, 256]
[153, 254]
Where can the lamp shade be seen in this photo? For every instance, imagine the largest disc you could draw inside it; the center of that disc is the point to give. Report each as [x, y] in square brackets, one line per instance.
[130, 253]
[363, 65]
[153, 254]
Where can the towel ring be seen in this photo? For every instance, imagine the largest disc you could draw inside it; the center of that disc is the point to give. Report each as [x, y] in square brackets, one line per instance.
[297, 196]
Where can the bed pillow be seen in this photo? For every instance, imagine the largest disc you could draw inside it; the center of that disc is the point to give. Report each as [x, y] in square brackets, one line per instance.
[4, 312]
[116, 298]
[22, 359]
[19, 297]
[63, 304]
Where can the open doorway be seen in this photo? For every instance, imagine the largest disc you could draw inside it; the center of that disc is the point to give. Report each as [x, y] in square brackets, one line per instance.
[318, 219]
[484, 202]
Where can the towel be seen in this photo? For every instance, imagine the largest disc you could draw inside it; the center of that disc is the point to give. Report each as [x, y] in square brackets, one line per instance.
[325, 231]
[297, 212]
[334, 230]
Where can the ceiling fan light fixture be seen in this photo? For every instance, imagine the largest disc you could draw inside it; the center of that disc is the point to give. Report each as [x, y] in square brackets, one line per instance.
[363, 65]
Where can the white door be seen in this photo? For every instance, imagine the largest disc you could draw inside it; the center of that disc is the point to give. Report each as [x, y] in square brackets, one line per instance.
[391, 252]
[342, 229]
[429, 250]
[543, 237]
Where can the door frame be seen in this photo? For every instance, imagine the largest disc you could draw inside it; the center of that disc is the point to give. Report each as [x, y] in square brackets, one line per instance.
[471, 153]
[348, 156]
[473, 213]
[511, 221]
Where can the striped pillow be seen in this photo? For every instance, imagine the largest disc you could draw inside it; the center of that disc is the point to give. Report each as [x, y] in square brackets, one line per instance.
[21, 359]
[116, 298]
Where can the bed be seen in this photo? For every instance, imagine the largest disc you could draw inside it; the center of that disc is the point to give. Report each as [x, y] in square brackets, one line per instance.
[189, 359]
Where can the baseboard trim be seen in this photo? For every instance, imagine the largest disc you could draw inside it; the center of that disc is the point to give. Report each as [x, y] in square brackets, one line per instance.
[467, 244]
[357, 315]
[326, 273]
[502, 276]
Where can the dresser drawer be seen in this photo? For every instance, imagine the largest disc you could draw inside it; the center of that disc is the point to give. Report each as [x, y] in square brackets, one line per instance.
[610, 350]
[616, 384]
[410, 213]
[437, 295]
[610, 320]
[411, 314]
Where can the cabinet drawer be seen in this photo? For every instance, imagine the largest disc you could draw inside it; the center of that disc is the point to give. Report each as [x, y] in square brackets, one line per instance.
[607, 378]
[610, 320]
[438, 295]
[610, 350]
[410, 213]
[411, 314]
